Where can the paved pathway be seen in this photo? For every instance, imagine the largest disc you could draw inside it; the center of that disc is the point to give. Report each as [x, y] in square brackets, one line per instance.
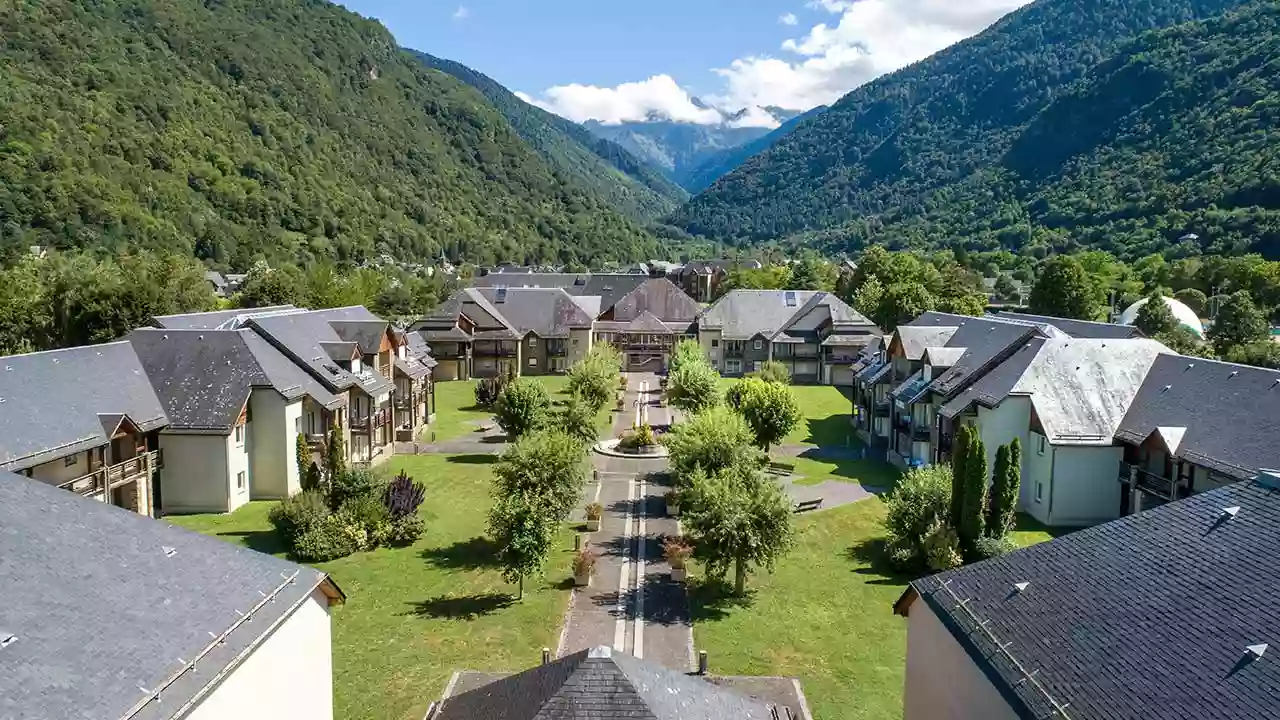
[632, 603]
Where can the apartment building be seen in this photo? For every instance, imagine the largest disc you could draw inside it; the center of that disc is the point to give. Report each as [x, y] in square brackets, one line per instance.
[816, 335]
[83, 419]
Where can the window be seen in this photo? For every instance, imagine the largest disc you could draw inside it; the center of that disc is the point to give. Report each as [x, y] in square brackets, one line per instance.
[715, 343]
[1039, 492]
[575, 342]
[1040, 445]
[755, 366]
[240, 480]
[733, 367]
[297, 425]
[533, 362]
[355, 365]
[759, 344]
[239, 435]
[533, 341]
[69, 460]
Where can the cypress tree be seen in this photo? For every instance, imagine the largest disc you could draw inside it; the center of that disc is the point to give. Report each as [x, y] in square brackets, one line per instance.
[975, 494]
[959, 456]
[1010, 488]
[995, 502]
[335, 456]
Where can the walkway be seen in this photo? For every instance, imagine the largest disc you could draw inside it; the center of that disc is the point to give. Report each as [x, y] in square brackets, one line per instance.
[632, 603]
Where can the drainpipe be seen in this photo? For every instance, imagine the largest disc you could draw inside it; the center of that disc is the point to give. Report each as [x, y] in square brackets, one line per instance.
[1135, 495]
[1053, 470]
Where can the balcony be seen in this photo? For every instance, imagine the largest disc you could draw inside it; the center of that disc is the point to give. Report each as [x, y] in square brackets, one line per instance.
[881, 407]
[113, 476]
[404, 403]
[1148, 482]
[491, 350]
[362, 423]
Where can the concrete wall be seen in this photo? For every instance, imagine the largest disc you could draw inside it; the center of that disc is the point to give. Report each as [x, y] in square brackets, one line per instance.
[1086, 487]
[58, 471]
[579, 345]
[714, 354]
[1037, 477]
[273, 447]
[943, 682]
[195, 478]
[288, 675]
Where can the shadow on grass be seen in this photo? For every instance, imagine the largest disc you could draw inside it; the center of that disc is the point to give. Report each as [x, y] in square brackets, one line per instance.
[871, 557]
[468, 607]
[264, 541]
[494, 439]
[711, 599]
[475, 554]
[1026, 523]
[473, 459]
[833, 430]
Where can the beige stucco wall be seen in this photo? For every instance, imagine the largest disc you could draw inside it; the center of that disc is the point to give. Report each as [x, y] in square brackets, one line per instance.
[1001, 424]
[579, 345]
[195, 477]
[58, 472]
[943, 683]
[714, 354]
[1037, 477]
[273, 445]
[288, 675]
[1086, 486]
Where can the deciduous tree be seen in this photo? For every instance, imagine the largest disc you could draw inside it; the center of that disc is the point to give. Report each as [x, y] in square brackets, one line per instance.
[693, 386]
[1154, 317]
[547, 467]
[712, 440]
[1239, 322]
[737, 518]
[1065, 290]
[523, 533]
[522, 407]
[770, 409]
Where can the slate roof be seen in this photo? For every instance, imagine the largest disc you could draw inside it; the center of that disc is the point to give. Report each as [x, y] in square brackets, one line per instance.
[215, 319]
[1074, 328]
[303, 336]
[658, 296]
[167, 593]
[350, 313]
[609, 287]
[216, 279]
[1148, 616]
[601, 685]
[915, 340]
[1231, 413]
[547, 312]
[366, 334]
[50, 402]
[204, 377]
[743, 314]
[987, 342]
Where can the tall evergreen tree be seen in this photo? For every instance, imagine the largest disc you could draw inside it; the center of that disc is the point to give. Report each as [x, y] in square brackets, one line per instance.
[959, 460]
[335, 453]
[1154, 317]
[975, 494]
[1005, 482]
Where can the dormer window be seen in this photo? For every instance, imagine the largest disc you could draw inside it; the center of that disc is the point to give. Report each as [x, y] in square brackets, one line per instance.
[356, 365]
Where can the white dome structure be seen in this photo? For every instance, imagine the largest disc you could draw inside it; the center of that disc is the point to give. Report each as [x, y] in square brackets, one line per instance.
[1183, 314]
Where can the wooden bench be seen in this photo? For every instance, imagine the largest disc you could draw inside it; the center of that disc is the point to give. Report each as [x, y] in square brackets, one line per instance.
[808, 505]
[777, 468]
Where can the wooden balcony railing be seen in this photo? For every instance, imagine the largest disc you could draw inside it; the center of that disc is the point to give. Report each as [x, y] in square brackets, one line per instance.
[1147, 481]
[362, 423]
[113, 476]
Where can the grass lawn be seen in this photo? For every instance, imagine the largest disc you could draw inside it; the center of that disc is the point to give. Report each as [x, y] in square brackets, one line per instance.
[413, 615]
[456, 411]
[826, 412]
[825, 616]
[872, 473]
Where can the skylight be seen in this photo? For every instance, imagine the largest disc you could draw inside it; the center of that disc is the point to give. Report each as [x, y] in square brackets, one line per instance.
[791, 298]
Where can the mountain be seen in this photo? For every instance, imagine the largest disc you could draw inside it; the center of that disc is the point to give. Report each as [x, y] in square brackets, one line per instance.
[677, 148]
[599, 165]
[917, 157]
[280, 129]
[723, 162]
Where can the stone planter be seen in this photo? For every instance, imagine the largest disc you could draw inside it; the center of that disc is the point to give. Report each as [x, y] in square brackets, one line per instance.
[673, 509]
[679, 574]
[582, 580]
[593, 525]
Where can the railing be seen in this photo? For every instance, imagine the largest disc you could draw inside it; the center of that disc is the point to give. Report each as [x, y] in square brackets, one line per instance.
[1148, 482]
[315, 441]
[494, 350]
[404, 403]
[362, 423]
[111, 476]
[881, 407]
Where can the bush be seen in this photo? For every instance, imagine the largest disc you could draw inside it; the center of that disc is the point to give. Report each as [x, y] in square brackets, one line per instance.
[294, 516]
[584, 563]
[328, 539]
[989, 547]
[595, 511]
[353, 484]
[369, 520]
[406, 530]
[942, 548]
[903, 556]
[919, 504]
[403, 496]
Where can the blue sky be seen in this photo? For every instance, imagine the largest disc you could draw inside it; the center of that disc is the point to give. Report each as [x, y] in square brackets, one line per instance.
[616, 61]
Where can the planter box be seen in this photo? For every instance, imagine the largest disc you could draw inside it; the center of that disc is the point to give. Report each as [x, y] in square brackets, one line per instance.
[679, 574]
[582, 580]
[593, 525]
[673, 509]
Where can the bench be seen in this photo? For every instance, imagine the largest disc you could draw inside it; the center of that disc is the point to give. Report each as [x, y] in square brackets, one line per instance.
[777, 468]
[808, 505]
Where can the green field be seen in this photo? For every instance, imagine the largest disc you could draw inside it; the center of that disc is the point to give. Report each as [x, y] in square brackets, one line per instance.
[456, 411]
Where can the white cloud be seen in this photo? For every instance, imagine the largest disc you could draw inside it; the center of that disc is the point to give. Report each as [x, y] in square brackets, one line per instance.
[462, 13]
[870, 38]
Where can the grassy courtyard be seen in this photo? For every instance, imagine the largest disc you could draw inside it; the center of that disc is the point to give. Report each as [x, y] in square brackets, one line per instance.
[456, 411]
[826, 414]
[415, 614]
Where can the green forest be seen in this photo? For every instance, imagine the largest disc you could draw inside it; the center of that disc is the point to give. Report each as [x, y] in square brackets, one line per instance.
[1063, 126]
[284, 130]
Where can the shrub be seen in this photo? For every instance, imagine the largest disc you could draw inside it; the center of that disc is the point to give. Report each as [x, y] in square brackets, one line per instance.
[645, 436]
[351, 485]
[676, 550]
[595, 511]
[942, 548]
[403, 496]
[293, 516]
[327, 540]
[406, 530]
[989, 547]
[522, 407]
[774, 372]
[919, 504]
[368, 519]
[903, 556]
[584, 563]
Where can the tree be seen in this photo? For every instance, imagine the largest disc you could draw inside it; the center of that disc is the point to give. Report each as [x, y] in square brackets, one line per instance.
[594, 378]
[523, 533]
[1006, 480]
[693, 386]
[712, 440]
[812, 273]
[548, 468]
[266, 286]
[302, 456]
[1194, 299]
[975, 494]
[1263, 353]
[579, 420]
[1239, 322]
[335, 454]
[1006, 288]
[959, 461]
[1154, 317]
[737, 518]
[522, 407]
[1065, 290]
[901, 302]
[1184, 341]
[774, 372]
[770, 409]
[686, 352]
[866, 299]
[920, 502]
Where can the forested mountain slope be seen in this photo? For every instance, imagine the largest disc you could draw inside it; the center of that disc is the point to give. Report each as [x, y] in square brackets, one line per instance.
[890, 160]
[284, 129]
[601, 166]
[723, 162]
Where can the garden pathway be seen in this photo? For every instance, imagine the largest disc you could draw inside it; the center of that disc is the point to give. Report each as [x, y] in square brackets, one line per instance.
[632, 603]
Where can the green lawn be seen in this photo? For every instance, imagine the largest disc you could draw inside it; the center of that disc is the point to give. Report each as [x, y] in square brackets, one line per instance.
[825, 616]
[456, 411]
[826, 412]
[413, 615]
[873, 473]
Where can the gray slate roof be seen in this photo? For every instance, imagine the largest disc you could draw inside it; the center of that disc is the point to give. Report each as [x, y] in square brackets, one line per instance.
[302, 337]
[987, 342]
[658, 296]
[743, 314]
[1148, 616]
[599, 684]
[366, 334]
[104, 602]
[915, 340]
[1074, 328]
[547, 312]
[609, 287]
[215, 319]
[1231, 413]
[204, 377]
[50, 402]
